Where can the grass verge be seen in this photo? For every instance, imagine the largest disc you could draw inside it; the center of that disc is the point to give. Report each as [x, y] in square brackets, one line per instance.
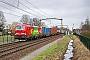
[55, 51]
[80, 51]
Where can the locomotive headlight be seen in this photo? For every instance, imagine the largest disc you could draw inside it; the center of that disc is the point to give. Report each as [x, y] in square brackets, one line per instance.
[16, 33]
[24, 33]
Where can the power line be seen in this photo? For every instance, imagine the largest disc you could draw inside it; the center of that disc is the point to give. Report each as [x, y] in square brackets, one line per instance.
[37, 8]
[28, 7]
[10, 9]
[17, 7]
[18, 3]
[11, 14]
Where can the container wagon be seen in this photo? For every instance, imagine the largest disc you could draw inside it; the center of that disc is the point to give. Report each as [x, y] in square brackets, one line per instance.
[46, 31]
[53, 31]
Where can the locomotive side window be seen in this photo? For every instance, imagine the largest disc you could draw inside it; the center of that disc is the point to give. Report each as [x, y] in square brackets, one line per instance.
[20, 27]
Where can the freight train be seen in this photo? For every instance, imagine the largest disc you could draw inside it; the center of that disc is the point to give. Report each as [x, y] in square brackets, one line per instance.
[26, 32]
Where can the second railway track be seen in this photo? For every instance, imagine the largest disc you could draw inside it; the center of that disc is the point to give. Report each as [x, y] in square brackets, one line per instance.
[12, 51]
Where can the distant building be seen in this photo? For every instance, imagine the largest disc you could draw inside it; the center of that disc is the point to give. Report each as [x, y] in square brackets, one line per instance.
[0, 33]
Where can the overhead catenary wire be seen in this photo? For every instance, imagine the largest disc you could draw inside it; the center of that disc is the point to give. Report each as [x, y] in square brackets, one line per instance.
[28, 8]
[37, 8]
[18, 4]
[11, 14]
[10, 9]
[18, 8]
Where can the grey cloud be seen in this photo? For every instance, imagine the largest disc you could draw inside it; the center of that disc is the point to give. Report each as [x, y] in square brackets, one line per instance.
[72, 11]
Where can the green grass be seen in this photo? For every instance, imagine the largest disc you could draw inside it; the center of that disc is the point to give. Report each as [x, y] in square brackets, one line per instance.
[54, 49]
[5, 38]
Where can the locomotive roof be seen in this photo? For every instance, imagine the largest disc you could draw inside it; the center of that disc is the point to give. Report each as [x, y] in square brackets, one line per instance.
[23, 25]
[35, 26]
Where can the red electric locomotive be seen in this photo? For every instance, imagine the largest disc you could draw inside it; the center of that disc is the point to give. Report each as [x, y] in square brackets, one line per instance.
[23, 31]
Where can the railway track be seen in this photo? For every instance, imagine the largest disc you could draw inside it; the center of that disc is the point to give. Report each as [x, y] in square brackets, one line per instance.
[5, 45]
[6, 51]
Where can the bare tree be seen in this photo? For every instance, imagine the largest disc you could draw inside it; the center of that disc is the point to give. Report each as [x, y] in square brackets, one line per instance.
[86, 25]
[81, 24]
[26, 19]
[36, 21]
[2, 21]
[87, 22]
[30, 21]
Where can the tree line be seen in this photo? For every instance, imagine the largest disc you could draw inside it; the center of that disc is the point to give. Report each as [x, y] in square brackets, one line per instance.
[24, 19]
[85, 25]
[2, 21]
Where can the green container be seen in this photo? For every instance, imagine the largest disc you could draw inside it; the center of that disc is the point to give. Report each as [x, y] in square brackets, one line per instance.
[35, 31]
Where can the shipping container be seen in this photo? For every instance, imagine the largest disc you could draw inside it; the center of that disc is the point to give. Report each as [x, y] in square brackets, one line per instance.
[43, 30]
[53, 31]
[46, 31]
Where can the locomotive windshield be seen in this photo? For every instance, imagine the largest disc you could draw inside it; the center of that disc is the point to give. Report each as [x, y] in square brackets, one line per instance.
[20, 27]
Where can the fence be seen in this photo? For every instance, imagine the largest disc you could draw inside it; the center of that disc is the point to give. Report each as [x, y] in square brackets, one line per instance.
[6, 39]
[84, 40]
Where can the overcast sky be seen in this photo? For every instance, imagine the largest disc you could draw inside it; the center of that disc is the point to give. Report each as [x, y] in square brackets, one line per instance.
[71, 11]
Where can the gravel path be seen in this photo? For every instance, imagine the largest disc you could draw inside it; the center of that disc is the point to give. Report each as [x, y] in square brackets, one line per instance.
[38, 51]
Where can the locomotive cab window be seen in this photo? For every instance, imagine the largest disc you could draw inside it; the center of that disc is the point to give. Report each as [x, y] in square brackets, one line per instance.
[20, 27]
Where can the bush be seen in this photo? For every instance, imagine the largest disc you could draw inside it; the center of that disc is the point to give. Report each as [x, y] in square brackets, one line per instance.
[87, 34]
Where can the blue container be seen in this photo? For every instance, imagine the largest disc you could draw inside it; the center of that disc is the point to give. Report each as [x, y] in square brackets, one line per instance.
[47, 31]
[43, 30]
